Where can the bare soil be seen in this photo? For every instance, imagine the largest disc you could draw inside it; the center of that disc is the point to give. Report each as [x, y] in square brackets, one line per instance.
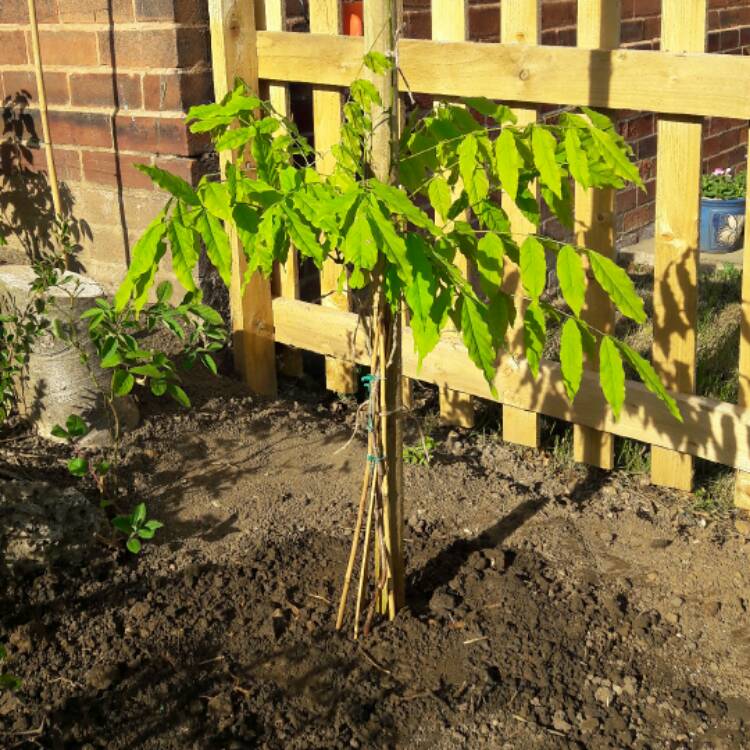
[550, 606]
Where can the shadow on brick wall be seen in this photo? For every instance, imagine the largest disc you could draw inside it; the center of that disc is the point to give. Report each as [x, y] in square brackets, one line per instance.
[27, 214]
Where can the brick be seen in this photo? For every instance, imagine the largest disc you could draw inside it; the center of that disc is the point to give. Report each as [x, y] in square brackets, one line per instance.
[12, 48]
[631, 31]
[567, 37]
[162, 135]
[181, 11]
[24, 83]
[96, 11]
[81, 128]
[484, 23]
[68, 47]
[642, 8]
[735, 17]
[639, 127]
[417, 25]
[68, 164]
[558, 13]
[717, 144]
[646, 147]
[625, 200]
[637, 218]
[176, 91]
[117, 170]
[191, 170]
[155, 48]
[649, 196]
[17, 11]
[98, 90]
[652, 27]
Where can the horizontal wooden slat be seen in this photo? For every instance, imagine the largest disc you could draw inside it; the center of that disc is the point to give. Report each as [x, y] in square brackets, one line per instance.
[712, 430]
[665, 82]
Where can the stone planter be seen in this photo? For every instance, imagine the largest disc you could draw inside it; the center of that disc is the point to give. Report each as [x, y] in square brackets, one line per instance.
[56, 383]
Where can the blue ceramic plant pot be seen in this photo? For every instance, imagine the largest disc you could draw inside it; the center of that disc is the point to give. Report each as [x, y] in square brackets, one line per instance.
[722, 224]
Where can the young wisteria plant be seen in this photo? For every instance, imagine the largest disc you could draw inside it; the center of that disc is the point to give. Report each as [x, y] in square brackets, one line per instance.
[400, 237]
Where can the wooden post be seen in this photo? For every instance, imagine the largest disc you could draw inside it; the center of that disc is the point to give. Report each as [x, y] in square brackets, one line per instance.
[234, 54]
[742, 485]
[598, 28]
[271, 16]
[326, 18]
[450, 23]
[676, 229]
[520, 22]
[380, 31]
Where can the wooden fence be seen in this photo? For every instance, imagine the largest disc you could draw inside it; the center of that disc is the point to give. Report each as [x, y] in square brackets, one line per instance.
[681, 83]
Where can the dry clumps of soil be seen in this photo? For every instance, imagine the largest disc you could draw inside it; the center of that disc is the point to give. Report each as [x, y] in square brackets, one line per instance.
[549, 606]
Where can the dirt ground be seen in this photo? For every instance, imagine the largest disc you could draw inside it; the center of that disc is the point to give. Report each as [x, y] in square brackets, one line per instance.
[550, 606]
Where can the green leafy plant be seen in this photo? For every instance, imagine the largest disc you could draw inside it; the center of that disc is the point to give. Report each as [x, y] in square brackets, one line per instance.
[724, 184]
[136, 527]
[398, 229]
[7, 681]
[420, 454]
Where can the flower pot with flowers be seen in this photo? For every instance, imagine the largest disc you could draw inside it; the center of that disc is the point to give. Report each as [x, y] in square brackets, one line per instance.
[722, 210]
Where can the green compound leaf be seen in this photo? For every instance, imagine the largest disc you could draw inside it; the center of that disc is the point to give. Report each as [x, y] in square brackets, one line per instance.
[509, 162]
[571, 357]
[618, 285]
[477, 336]
[441, 198]
[78, 467]
[122, 382]
[217, 244]
[171, 183]
[533, 263]
[650, 379]
[543, 146]
[534, 335]
[572, 278]
[577, 160]
[612, 375]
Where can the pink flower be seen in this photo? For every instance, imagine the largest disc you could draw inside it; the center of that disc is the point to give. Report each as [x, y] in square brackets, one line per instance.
[719, 171]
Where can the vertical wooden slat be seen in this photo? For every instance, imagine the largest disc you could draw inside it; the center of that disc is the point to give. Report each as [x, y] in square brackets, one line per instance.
[676, 230]
[598, 28]
[326, 18]
[234, 54]
[520, 22]
[450, 23]
[742, 486]
[286, 278]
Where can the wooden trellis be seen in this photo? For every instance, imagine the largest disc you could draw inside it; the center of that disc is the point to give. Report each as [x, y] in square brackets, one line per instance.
[681, 83]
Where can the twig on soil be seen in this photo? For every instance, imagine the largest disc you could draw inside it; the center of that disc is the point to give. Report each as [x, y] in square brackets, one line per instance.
[322, 598]
[220, 657]
[374, 663]
[538, 726]
[70, 682]
[476, 640]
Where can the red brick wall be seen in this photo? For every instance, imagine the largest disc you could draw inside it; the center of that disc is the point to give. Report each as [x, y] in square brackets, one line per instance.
[103, 123]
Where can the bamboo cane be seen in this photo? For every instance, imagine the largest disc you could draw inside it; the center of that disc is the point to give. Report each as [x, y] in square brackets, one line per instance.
[365, 557]
[42, 93]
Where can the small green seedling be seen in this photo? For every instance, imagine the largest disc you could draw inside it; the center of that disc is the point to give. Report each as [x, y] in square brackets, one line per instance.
[75, 429]
[136, 527]
[7, 681]
[421, 453]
